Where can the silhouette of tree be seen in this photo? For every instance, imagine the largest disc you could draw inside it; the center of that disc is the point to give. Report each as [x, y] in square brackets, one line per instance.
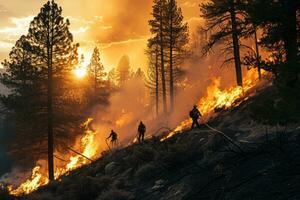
[223, 21]
[157, 28]
[25, 102]
[177, 39]
[153, 75]
[96, 75]
[123, 70]
[57, 53]
[278, 22]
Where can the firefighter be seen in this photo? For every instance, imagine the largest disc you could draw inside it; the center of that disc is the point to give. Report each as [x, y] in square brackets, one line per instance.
[195, 115]
[141, 130]
[113, 138]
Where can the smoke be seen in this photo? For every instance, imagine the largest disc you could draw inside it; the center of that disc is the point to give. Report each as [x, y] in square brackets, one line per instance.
[131, 104]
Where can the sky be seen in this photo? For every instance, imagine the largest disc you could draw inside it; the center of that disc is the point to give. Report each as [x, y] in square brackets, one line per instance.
[117, 27]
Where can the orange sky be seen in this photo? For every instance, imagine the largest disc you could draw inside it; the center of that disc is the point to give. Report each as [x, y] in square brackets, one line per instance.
[118, 27]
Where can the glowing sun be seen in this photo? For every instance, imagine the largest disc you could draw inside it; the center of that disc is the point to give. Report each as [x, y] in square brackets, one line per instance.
[80, 72]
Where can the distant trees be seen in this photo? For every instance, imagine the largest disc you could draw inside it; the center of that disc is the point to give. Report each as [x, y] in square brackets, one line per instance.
[169, 45]
[123, 70]
[96, 75]
[39, 68]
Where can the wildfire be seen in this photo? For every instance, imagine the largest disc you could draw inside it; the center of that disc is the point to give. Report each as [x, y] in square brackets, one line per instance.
[37, 179]
[216, 98]
[88, 148]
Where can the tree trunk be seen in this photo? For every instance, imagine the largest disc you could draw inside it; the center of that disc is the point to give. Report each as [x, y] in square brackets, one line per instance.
[236, 47]
[290, 43]
[257, 54]
[156, 83]
[172, 99]
[163, 78]
[50, 112]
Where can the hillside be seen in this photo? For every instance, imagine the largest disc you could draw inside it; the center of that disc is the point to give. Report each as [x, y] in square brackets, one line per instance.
[198, 164]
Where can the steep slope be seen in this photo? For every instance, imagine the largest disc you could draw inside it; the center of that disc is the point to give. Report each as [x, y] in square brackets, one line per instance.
[197, 164]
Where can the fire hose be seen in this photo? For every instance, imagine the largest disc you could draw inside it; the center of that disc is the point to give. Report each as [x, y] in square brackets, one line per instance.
[225, 136]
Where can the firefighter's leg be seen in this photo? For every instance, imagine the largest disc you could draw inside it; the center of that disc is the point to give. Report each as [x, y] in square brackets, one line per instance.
[139, 138]
[143, 136]
[198, 125]
[193, 124]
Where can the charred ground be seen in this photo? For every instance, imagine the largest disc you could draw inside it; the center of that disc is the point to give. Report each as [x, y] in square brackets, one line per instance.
[196, 164]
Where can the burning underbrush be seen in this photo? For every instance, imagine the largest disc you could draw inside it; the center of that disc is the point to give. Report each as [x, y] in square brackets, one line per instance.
[88, 147]
[84, 150]
[217, 99]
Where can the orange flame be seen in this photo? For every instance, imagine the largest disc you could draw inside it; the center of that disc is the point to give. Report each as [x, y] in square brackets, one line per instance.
[88, 147]
[37, 179]
[215, 98]
[218, 98]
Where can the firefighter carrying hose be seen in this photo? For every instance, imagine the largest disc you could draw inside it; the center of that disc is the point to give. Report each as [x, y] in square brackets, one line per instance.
[195, 115]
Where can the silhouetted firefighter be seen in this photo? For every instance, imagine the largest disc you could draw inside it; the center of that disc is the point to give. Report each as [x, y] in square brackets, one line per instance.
[113, 138]
[141, 130]
[195, 115]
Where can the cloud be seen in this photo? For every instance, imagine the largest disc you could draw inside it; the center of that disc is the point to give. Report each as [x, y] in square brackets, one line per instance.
[20, 26]
[80, 30]
[107, 45]
[5, 45]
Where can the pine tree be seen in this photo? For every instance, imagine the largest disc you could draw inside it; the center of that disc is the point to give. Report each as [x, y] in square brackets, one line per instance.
[177, 39]
[123, 70]
[279, 24]
[112, 79]
[57, 54]
[157, 28]
[24, 103]
[222, 19]
[96, 73]
[153, 74]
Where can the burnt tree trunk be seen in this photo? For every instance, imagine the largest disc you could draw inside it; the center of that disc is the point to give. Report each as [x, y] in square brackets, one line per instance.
[236, 47]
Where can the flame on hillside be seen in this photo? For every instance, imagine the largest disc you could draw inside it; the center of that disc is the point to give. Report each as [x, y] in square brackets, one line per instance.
[217, 98]
[88, 148]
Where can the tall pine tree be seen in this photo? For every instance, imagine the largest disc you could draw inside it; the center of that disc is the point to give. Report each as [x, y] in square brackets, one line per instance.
[157, 28]
[223, 21]
[177, 39]
[96, 74]
[49, 32]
